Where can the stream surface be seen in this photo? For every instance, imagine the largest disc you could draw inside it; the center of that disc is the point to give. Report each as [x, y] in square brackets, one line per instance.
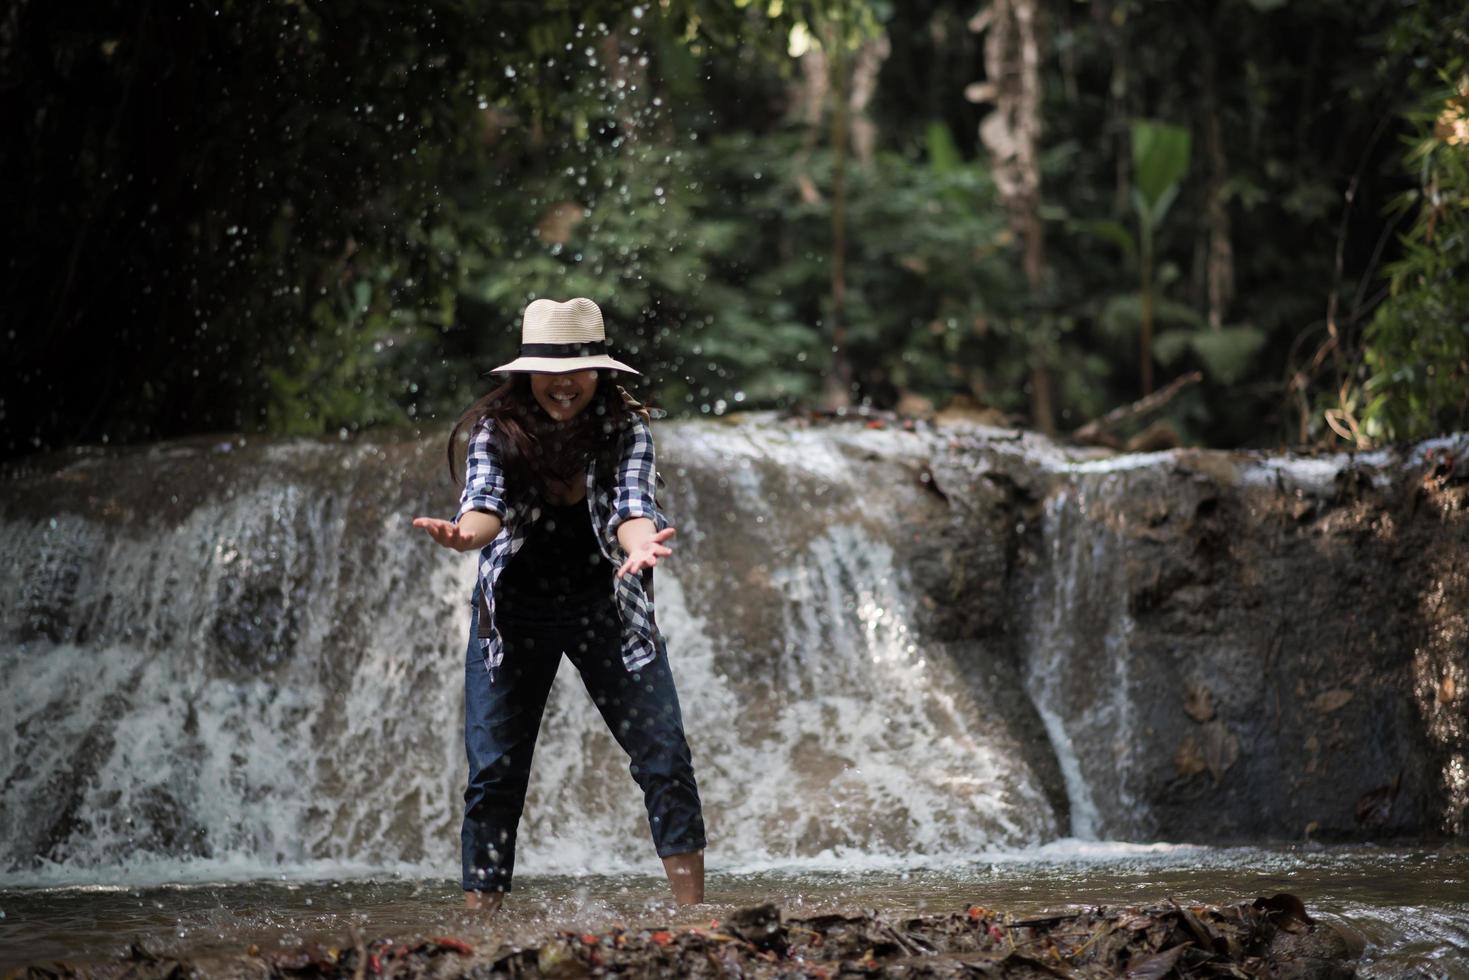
[1406, 907]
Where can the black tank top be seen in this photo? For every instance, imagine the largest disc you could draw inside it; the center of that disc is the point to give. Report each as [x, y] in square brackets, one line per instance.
[558, 559]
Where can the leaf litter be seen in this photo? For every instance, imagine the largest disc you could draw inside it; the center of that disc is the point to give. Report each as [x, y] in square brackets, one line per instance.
[1271, 937]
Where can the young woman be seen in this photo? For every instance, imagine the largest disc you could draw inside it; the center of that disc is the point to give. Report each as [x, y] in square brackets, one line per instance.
[558, 501]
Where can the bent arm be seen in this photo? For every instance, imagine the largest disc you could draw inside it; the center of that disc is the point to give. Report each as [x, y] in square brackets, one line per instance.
[640, 527]
[633, 502]
[480, 527]
[473, 531]
[481, 512]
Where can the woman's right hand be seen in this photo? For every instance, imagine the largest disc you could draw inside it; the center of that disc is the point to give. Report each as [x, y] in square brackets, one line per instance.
[447, 533]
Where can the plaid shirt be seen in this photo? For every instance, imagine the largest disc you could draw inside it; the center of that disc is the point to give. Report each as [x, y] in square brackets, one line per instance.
[631, 496]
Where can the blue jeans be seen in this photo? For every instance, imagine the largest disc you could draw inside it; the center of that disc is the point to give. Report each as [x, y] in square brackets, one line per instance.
[501, 721]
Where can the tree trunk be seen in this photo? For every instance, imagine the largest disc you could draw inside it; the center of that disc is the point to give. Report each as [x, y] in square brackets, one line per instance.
[837, 391]
[1219, 276]
[1145, 342]
[865, 69]
[1011, 133]
[1119, 109]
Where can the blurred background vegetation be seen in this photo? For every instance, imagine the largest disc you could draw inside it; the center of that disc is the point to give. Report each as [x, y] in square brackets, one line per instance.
[288, 216]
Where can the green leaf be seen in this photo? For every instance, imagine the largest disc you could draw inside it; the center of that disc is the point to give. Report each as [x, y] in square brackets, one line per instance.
[1111, 231]
[1123, 315]
[1227, 352]
[943, 154]
[1160, 207]
[1168, 347]
[1160, 154]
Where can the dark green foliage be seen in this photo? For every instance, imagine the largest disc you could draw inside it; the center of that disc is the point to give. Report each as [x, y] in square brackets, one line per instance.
[293, 216]
[1304, 105]
[226, 214]
[1417, 346]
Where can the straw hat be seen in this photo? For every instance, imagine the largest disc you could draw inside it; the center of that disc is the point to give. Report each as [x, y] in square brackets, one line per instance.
[559, 337]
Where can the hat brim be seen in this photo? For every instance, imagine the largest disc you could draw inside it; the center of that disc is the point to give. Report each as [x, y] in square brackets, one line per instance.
[562, 365]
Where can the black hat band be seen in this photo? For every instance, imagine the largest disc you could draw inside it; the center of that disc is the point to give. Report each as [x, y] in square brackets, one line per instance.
[591, 349]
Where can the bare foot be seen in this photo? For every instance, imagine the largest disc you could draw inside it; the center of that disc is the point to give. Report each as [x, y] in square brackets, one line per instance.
[686, 877]
[484, 901]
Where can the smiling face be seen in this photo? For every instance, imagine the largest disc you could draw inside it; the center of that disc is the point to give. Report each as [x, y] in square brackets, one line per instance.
[563, 396]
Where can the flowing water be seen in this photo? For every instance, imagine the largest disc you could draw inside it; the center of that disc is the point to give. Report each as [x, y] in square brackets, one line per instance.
[232, 707]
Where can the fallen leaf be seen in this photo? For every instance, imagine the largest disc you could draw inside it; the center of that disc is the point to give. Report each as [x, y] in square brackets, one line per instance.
[1136, 923]
[1207, 938]
[1374, 807]
[1331, 700]
[1286, 911]
[1188, 759]
[1221, 748]
[1198, 703]
[1157, 967]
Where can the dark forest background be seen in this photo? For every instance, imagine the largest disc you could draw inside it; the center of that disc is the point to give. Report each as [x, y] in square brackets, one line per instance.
[305, 217]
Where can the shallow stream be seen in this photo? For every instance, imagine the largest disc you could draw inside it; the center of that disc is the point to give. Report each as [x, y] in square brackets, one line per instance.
[1406, 907]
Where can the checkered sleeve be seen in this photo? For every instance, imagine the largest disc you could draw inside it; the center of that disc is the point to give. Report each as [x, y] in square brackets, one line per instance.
[636, 478]
[484, 478]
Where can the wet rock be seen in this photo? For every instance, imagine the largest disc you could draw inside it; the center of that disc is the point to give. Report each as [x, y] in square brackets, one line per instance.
[1234, 646]
[760, 926]
[1319, 953]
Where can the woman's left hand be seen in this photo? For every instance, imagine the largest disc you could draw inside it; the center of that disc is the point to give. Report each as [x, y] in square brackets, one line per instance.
[646, 554]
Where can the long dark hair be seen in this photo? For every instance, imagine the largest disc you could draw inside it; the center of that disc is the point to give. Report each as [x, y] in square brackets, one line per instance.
[533, 447]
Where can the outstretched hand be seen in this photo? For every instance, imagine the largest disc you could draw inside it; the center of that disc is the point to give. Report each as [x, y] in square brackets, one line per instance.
[446, 533]
[646, 555]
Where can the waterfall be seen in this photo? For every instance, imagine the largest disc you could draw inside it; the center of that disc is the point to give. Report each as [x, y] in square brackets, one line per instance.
[240, 658]
[1078, 663]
